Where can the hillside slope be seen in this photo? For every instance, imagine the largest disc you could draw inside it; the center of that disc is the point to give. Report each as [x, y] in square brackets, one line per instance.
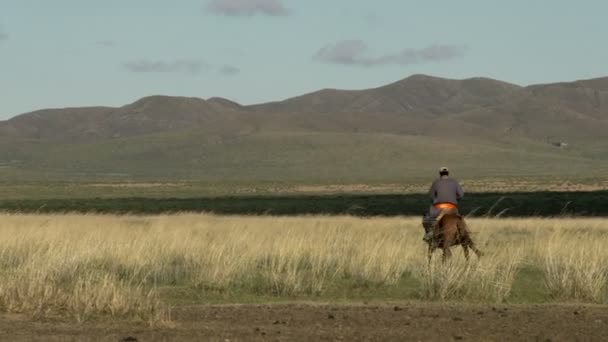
[480, 126]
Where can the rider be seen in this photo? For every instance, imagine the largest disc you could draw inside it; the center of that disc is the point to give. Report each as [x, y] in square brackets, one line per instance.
[445, 193]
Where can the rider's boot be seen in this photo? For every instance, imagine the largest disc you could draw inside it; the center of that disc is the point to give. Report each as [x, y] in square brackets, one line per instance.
[427, 223]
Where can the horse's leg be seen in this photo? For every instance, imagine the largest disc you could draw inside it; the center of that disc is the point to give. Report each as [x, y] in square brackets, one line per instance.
[470, 244]
[465, 249]
[430, 252]
[466, 239]
[477, 251]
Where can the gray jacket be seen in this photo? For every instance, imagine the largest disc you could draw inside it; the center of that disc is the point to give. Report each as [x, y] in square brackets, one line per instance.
[446, 190]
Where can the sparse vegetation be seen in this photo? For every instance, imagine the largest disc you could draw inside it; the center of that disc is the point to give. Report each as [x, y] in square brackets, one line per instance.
[135, 267]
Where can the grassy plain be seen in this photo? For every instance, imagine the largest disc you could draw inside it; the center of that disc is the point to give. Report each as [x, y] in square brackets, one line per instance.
[138, 267]
[290, 157]
[194, 189]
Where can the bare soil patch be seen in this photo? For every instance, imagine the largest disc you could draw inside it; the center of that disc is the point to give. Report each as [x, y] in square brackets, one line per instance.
[134, 185]
[333, 322]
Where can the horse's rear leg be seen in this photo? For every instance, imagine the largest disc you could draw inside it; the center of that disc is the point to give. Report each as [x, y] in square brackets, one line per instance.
[465, 249]
[468, 243]
[477, 251]
[430, 252]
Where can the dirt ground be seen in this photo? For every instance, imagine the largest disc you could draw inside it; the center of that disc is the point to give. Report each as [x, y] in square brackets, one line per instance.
[316, 322]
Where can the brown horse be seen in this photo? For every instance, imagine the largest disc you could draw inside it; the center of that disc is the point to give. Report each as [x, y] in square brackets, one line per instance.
[450, 229]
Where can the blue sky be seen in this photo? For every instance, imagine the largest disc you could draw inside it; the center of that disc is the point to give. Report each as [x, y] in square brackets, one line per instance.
[66, 53]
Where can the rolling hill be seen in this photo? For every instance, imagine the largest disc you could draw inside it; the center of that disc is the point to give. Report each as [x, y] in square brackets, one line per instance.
[479, 126]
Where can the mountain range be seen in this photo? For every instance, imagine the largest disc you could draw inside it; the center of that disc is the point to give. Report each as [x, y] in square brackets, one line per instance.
[480, 126]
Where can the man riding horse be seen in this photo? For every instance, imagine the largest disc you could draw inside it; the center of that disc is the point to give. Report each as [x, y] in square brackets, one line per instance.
[445, 194]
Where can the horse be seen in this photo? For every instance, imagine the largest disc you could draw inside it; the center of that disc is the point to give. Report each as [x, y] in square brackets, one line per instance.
[449, 230]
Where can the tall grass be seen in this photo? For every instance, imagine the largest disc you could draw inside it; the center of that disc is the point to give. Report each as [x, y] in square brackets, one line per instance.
[487, 280]
[576, 263]
[85, 266]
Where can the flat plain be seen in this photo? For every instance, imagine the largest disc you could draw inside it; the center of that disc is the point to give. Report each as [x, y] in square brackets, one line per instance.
[193, 276]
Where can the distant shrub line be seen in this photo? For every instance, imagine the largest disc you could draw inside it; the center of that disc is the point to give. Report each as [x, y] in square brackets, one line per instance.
[519, 204]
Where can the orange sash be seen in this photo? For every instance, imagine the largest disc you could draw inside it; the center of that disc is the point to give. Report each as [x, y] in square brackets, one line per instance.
[444, 206]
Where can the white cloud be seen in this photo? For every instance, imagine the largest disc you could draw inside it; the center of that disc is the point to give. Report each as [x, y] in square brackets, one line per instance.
[3, 35]
[178, 66]
[229, 70]
[247, 7]
[354, 52]
[106, 43]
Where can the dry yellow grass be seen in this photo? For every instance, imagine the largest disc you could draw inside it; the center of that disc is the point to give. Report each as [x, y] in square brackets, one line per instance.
[90, 265]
